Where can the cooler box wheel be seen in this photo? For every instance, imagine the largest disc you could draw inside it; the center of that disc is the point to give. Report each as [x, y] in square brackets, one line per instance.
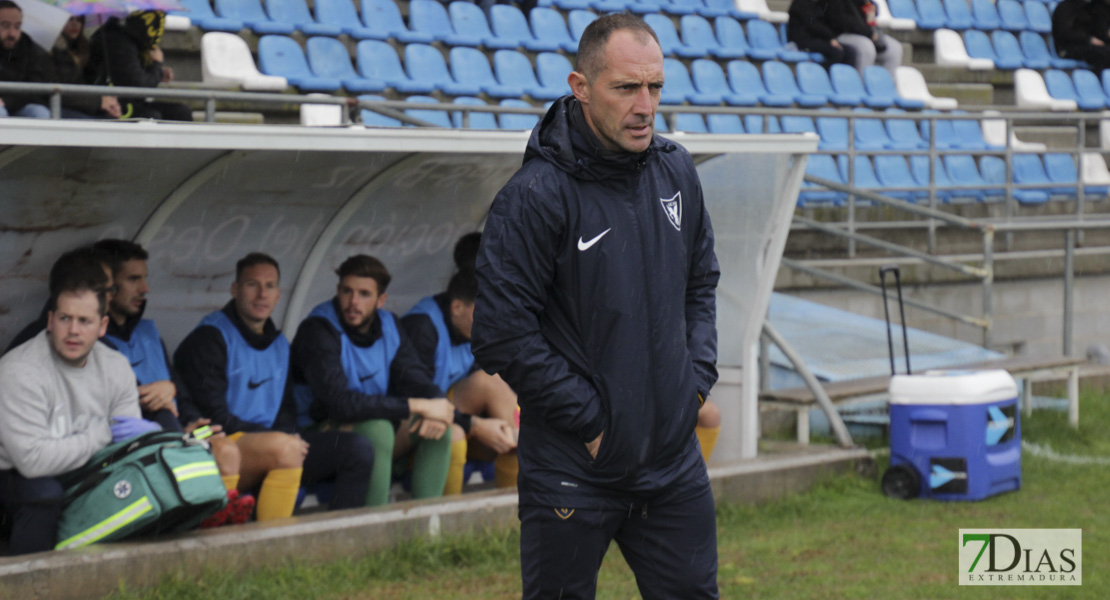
[902, 482]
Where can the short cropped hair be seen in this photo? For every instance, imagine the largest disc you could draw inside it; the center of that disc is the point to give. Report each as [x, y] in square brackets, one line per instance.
[591, 47]
[120, 251]
[80, 270]
[361, 265]
[463, 286]
[9, 4]
[253, 259]
[466, 250]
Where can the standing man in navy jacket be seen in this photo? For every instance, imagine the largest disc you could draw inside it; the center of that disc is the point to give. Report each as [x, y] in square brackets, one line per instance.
[596, 304]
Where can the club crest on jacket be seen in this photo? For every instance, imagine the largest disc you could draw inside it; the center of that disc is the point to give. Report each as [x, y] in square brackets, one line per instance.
[672, 207]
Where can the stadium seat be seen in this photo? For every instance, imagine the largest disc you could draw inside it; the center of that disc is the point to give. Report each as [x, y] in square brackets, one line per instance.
[341, 15]
[509, 23]
[796, 124]
[282, 56]
[383, 18]
[911, 85]
[251, 14]
[766, 45]
[946, 133]
[865, 178]
[689, 123]
[178, 21]
[376, 119]
[1012, 15]
[566, 4]
[731, 124]
[721, 8]
[959, 14]
[661, 123]
[698, 33]
[870, 134]
[903, 10]
[969, 134]
[1006, 44]
[888, 20]
[757, 123]
[760, 8]
[328, 58]
[993, 169]
[964, 173]
[469, 20]
[680, 89]
[1095, 174]
[296, 12]
[514, 69]
[823, 166]
[226, 58]
[516, 120]
[979, 47]
[552, 71]
[904, 132]
[378, 61]
[645, 7]
[847, 84]
[708, 78]
[894, 172]
[730, 35]
[1035, 50]
[950, 52]
[744, 79]
[436, 117]
[321, 115]
[994, 134]
[1061, 170]
[833, 132]
[425, 63]
[1029, 169]
[606, 6]
[930, 15]
[880, 84]
[780, 81]
[1088, 88]
[1061, 87]
[986, 15]
[813, 79]
[578, 20]
[668, 38]
[430, 17]
[1038, 16]
[548, 24]
[472, 66]
[200, 14]
[473, 119]
[919, 167]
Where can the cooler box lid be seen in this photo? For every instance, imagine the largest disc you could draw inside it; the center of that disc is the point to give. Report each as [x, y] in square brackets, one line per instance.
[953, 387]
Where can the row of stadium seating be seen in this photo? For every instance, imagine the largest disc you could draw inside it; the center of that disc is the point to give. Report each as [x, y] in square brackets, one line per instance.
[977, 51]
[985, 15]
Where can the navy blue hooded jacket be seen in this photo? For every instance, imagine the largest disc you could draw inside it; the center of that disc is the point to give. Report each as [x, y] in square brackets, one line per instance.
[596, 303]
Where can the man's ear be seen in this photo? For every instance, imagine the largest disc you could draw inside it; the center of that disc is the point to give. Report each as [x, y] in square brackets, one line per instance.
[579, 86]
[103, 327]
[381, 301]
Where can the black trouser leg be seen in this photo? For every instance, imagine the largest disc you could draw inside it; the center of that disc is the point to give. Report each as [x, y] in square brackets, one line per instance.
[344, 457]
[31, 508]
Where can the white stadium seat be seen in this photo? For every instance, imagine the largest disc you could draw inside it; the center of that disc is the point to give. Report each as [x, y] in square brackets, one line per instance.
[1031, 93]
[950, 52]
[226, 58]
[994, 133]
[883, 18]
[321, 115]
[760, 8]
[911, 85]
[178, 23]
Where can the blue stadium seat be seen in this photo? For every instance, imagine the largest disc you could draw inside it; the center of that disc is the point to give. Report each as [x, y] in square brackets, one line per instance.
[698, 33]
[930, 15]
[871, 134]
[514, 69]
[1061, 86]
[682, 7]
[607, 6]
[833, 132]
[993, 169]
[730, 35]
[509, 23]
[279, 55]
[919, 166]
[894, 172]
[566, 4]
[902, 9]
[865, 178]
[1036, 52]
[690, 123]
[251, 14]
[756, 123]
[475, 119]
[425, 63]
[723, 8]
[780, 81]
[578, 20]
[661, 123]
[766, 45]
[946, 133]
[680, 89]
[1006, 45]
[384, 18]
[813, 79]
[963, 172]
[1029, 169]
[341, 14]
[552, 70]
[846, 81]
[979, 45]
[904, 132]
[516, 121]
[1061, 169]
[1012, 15]
[200, 13]
[969, 134]
[645, 7]
[1038, 16]
[880, 84]
[796, 124]
[823, 166]
[986, 15]
[548, 24]
[724, 124]
[376, 119]
[436, 117]
[668, 38]
[472, 66]
[430, 17]
[469, 20]
[710, 79]
[744, 79]
[959, 14]
[329, 59]
[296, 12]
[1089, 88]
[378, 61]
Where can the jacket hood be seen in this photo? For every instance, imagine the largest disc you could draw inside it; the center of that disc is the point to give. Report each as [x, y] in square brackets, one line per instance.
[576, 150]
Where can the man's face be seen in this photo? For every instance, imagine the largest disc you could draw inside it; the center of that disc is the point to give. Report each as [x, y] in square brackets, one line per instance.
[256, 293]
[11, 25]
[620, 102]
[131, 289]
[358, 299]
[462, 316]
[74, 326]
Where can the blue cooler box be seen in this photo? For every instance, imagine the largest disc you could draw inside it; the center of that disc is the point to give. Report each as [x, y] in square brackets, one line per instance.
[954, 435]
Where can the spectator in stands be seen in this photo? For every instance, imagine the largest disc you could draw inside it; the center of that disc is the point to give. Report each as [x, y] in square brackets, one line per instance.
[439, 327]
[1081, 31]
[65, 398]
[849, 19]
[70, 56]
[21, 60]
[354, 368]
[126, 53]
[234, 367]
[809, 30]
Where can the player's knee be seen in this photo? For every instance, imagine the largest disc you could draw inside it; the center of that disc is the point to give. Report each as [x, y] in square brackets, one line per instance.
[287, 452]
[709, 415]
[228, 458]
[457, 433]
